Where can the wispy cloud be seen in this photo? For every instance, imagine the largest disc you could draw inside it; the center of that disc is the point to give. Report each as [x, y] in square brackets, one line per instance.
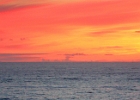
[19, 54]
[100, 33]
[17, 57]
[88, 13]
[14, 46]
[69, 56]
[137, 31]
[17, 7]
[22, 39]
[109, 47]
[75, 54]
[109, 54]
[7, 7]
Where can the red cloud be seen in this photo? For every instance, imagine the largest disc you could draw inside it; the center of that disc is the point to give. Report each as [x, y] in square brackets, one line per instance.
[84, 13]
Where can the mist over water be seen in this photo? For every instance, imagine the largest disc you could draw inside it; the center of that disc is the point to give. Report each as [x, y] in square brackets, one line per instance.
[69, 81]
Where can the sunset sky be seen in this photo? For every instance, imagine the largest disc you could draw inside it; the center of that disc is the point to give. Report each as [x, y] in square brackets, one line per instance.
[69, 30]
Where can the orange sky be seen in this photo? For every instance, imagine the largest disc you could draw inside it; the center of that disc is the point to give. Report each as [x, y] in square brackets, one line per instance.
[69, 30]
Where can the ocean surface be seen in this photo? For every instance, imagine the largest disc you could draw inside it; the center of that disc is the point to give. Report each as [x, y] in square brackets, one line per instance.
[69, 81]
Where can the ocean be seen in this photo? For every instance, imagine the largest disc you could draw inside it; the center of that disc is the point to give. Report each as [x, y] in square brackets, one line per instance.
[70, 81]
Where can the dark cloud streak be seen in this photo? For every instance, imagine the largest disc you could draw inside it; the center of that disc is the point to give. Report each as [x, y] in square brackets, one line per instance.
[101, 33]
[7, 7]
[109, 47]
[17, 57]
[20, 54]
[4, 8]
[75, 54]
[137, 31]
[68, 56]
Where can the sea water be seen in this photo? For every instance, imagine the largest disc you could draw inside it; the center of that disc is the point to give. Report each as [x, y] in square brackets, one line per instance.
[69, 81]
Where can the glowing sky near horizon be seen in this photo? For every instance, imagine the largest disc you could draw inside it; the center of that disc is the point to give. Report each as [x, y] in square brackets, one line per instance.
[69, 30]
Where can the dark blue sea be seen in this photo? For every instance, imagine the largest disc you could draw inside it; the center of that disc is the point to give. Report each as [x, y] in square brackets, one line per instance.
[69, 81]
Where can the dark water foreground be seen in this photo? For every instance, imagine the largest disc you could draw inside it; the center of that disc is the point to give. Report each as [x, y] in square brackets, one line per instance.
[69, 81]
